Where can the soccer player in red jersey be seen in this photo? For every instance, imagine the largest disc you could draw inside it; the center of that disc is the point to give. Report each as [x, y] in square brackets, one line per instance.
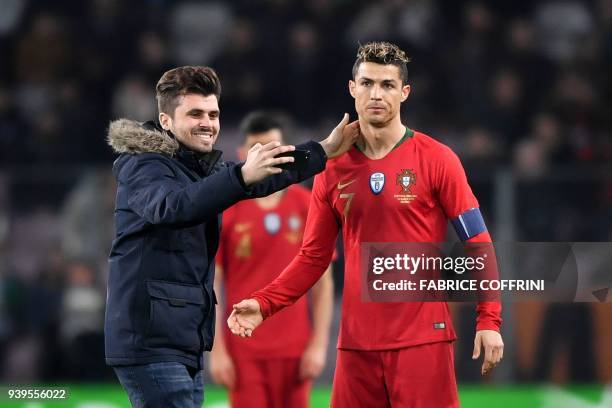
[260, 237]
[395, 185]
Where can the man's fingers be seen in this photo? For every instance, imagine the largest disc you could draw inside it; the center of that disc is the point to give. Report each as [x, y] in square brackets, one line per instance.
[495, 356]
[354, 125]
[216, 377]
[276, 148]
[245, 324]
[233, 324]
[476, 352]
[239, 326]
[486, 365]
[279, 150]
[228, 377]
[244, 318]
[241, 306]
[305, 370]
[269, 146]
[493, 349]
[221, 379]
[343, 122]
[490, 359]
[221, 376]
[352, 130]
[279, 160]
[498, 354]
[488, 354]
[275, 170]
[255, 147]
[309, 369]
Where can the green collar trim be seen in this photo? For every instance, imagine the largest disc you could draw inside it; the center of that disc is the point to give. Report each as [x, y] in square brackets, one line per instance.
[407, 135]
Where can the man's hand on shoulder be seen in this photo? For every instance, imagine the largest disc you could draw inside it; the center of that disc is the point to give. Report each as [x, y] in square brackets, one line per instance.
[493, 346]
[341, 138]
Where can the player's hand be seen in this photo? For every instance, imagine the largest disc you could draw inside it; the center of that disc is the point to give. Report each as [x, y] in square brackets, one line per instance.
[260, 162]
[245, 317]
[341, 138]
[313, 361]
[222, 369]
[493, 346]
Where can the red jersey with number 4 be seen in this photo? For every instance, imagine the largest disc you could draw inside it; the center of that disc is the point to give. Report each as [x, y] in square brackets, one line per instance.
[407, 196]
[256, 245]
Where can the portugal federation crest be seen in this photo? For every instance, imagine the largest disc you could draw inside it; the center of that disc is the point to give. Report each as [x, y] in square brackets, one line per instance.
[406, 180]
[377, 182]
[272, 223]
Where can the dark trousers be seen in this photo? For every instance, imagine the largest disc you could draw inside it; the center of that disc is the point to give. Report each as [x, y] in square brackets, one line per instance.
[168, 385]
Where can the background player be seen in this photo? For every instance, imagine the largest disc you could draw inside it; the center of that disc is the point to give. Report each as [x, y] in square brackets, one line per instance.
[259, 238]
[390, 354]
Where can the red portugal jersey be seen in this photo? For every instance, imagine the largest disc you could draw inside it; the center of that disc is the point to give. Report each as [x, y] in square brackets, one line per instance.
[256, 245]
[407, 196]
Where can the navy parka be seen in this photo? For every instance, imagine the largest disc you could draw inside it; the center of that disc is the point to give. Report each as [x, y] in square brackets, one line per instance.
[160, 300]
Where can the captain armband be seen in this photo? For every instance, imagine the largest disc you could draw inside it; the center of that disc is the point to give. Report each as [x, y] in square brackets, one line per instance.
[469, 224]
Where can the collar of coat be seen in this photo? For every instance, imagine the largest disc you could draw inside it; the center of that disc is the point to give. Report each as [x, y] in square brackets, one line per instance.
[129, 136]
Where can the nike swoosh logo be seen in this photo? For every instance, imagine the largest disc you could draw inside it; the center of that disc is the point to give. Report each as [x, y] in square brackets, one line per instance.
[341, 186]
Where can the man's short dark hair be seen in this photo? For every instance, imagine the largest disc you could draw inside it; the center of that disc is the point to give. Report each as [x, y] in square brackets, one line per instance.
[185, 80]
[259, 122]
[385, 53]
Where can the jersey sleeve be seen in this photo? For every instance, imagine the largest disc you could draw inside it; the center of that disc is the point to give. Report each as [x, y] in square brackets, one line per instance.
[315, 254]
[488, 313]
[454, 192]
[456, 197]
[307, 196]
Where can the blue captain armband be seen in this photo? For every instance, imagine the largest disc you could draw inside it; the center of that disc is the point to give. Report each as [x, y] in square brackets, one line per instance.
[469, 224]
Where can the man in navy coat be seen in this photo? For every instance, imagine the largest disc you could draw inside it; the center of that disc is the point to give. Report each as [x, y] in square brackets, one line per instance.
[172, 189]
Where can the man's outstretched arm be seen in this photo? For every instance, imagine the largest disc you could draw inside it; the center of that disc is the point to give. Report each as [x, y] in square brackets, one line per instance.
[301, 274]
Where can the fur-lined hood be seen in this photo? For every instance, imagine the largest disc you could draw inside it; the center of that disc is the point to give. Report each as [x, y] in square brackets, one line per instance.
[129, 136]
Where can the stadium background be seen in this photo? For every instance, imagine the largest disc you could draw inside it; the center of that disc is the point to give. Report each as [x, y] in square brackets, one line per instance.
[520, 90]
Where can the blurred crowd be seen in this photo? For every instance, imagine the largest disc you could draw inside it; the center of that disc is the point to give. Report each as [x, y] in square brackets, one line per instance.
[521, 80]
[511, 86]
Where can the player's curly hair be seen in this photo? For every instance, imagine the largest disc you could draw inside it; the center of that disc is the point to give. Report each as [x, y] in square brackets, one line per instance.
[385, 53]
[183, 80]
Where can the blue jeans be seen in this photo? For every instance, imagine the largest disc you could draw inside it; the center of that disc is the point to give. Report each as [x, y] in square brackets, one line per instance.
[170, 384]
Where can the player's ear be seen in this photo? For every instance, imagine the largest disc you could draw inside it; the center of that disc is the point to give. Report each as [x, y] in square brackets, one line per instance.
[351, 86]
[165, 121]
[405, 92]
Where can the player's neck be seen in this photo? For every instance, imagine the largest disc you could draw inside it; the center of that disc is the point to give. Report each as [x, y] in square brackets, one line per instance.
[377, 142]
[271, 201]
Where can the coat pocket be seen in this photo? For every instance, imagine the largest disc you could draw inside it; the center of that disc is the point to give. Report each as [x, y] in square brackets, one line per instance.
[176, 311]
